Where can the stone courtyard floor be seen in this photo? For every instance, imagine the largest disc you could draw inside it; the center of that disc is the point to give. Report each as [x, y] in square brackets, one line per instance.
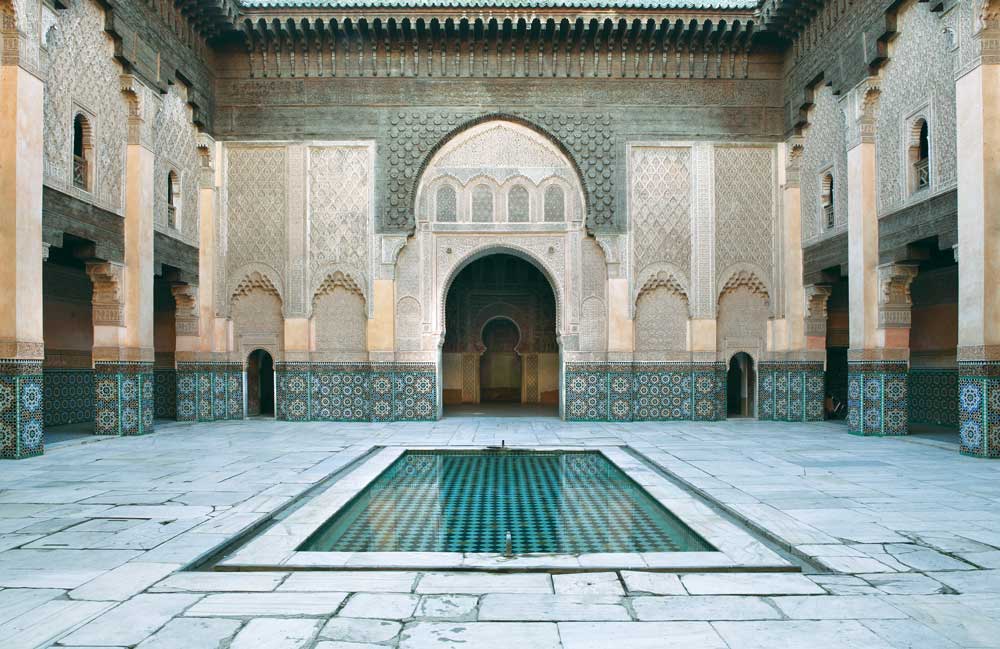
[94, 537]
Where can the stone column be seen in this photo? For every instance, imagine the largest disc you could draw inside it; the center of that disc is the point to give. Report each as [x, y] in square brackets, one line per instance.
[21, 346]
[791, 379]
[877, 372]
[978, 130]
[123, 347]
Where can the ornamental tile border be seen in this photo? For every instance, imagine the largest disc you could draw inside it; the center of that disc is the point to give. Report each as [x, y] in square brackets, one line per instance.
[877, 398]
[209, 391]
[21, 408]
[979, 408]
[123, 398]
[656, 391]
[790, 391]
[69, 396]
[365, 392]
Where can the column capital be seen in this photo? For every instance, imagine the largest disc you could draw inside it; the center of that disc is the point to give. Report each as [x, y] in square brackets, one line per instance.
[816, 296]
[206, 156]
[793, 161]
[186, 301]
[108, 278]
[140, 118]
[894, 301]
[861, 123]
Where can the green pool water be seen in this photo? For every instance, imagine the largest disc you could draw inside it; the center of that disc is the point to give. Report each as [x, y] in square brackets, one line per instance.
[467, 501]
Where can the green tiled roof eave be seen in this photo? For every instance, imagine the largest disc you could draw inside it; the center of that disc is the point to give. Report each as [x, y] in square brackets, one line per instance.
[725, 5]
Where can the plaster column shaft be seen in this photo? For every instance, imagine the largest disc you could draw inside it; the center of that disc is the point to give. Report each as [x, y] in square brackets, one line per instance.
[879, 295]
[123, 375]
[21, 344]
[381, 328]
[620, 327]
[978, 133]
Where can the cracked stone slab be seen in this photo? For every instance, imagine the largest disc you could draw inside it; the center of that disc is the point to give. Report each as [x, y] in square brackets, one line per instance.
[481, 635]
[133, 621]
[275, 634]
[639, 635]
[364, 581]
[447, 607]
[220, 582]
[264, 604]
[388, 606]
[654, 583]
[189, 632]
[508, 607]
[588, 583]
[475, 583]
[703, 607]
[750, 584]
[797, 634]
[345, 629]
[838, 607]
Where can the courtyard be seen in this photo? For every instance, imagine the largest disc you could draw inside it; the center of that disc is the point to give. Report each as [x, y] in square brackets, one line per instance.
[893, 543]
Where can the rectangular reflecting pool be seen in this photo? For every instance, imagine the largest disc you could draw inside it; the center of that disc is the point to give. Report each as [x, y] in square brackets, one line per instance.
[557, 502]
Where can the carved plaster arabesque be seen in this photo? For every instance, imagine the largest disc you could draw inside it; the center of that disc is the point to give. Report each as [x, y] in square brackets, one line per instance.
[703, 263]
[660, 198]
[894, 300]
[176, 143]
[186, 303]
[824, 147]
[413, 136]
[96, 86]
[816, 297]
[108, 278]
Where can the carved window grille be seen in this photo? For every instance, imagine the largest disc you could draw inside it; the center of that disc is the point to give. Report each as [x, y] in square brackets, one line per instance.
[83, 152]
[555, 204]
[447, 204]
[173, 200]
[918, 156]
[826, 201]
[482, 204]
[518, 205]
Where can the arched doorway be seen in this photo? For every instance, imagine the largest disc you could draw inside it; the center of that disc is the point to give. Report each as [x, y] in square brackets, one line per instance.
[741, 386]
[500, 347]
[500, 363]
[260, 384]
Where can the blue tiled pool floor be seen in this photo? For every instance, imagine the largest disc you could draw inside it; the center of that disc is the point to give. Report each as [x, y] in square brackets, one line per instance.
[467, 501]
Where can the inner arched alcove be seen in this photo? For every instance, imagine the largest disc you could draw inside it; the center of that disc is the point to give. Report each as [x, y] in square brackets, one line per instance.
[500, 171]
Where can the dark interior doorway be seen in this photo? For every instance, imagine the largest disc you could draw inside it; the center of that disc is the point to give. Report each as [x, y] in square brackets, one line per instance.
[741, 386]
[260, 384]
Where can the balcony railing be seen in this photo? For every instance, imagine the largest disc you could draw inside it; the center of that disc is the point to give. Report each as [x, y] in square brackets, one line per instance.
[922, 172]
[80, 172]
[828, 215]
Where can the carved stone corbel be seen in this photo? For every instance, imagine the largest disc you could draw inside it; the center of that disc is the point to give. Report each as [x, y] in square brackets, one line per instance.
[186, 301]
[108, 279]
[894, 301]
[816, 296]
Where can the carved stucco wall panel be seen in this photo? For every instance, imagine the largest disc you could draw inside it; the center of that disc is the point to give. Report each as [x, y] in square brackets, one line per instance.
[919, 78]
[824, 151]
[258, 322]
[745, 209]
[340, 211]
[661, 320]
[256, 214]
[95, 90]
[412, 137]
[660, 186]
[742, 323]
[175, 143]
[593, 310]
[340, 322]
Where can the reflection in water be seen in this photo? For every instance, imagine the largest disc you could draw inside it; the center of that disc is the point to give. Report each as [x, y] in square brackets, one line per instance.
[466, 501]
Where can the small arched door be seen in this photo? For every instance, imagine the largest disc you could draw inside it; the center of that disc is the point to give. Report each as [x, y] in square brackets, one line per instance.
[260, 384]
[500, 364]
[741, 386]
